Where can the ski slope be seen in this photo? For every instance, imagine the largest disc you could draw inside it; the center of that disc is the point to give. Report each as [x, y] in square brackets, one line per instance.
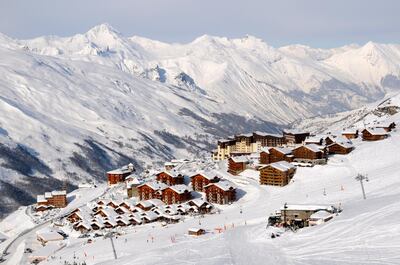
[364, 233]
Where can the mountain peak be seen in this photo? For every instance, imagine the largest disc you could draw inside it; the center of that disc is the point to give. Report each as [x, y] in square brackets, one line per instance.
[104, 29]
[206, 38]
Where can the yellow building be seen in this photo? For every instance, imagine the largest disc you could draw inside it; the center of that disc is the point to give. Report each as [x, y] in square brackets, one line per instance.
[244, 144]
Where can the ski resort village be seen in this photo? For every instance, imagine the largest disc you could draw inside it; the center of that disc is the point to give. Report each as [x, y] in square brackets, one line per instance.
[307, 188]
[199, 132]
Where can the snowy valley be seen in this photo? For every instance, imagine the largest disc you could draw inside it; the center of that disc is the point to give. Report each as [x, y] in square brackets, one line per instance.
[75, 107]
[365, 232]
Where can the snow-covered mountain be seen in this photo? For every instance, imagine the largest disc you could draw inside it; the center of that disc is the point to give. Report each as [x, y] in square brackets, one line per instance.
[74, 107]
[365, 232]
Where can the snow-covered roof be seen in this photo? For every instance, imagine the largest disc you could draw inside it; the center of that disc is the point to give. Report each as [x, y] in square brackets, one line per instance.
[123, 170]
[110, 221]
[183, 207]
[43, 206]
[154, 185]
[240, 159]
[109, 212]
[131, 202]
[224, 140]
[59, 192]
[195, 230]
[268, 134]
[376, 131]
[223, 185]
[255, 155]
[312, 147]
[151, 216]
[313, 139]
[132, 179]
[281, 165]
[331, 137]
[349, 131]
[115, 202]
[41, 198]
[137, 210]
[341, 139]
[122, 209]
[345, 145]
[47, 234]
[151, 203]
[84, 215]
[172, 173]
[136, 218]
[207, 174]
[386, 124]
[156, 202]
[198, 202]
[309, 207]
[124, 219]
[85, 224]
[294, 131]
[145, 204]
[245, 135]
[320, 214]
[171, 217]
[283, 150]
[46, 251]
[180, 189]
[98, 222]
[265, 149]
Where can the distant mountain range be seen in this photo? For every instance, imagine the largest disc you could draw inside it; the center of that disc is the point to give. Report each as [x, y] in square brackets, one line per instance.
[77, 106]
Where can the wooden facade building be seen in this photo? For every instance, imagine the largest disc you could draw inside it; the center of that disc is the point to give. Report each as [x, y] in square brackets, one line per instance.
[54, 199]
[300, 214]
[170, 178]
[151, 190]
[387, 127]
[267, 139]
[196, 231]
[277, 174]
[295, 137]
[200, 180]
[350, 134]
[264, 157]
[119, 175]
[238, 164]
[277, 154]
[222, 192]
[374, 134]
[329, 140]
[308, 152]
[176, 194]
[340, 148]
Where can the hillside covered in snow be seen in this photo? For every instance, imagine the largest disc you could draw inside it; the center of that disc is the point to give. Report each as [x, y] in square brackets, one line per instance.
[364, 232]
[74, 107]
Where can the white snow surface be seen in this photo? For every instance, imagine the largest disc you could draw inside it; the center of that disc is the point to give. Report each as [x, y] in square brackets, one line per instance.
[366, 232]
[117, 91]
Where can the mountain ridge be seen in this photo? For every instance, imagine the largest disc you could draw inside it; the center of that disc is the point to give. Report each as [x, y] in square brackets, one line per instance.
[84, 104]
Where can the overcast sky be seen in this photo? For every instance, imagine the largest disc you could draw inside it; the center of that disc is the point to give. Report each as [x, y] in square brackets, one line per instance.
[318, 23]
